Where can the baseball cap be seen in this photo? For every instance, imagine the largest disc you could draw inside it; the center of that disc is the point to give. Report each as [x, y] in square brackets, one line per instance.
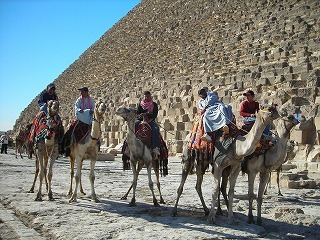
[83, 89]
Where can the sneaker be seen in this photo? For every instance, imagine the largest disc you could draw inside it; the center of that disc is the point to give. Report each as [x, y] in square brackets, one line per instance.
[225, 129]
[206, 138]
[156, 151]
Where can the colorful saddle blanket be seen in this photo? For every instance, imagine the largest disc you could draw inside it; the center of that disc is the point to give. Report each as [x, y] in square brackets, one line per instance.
[43, 127]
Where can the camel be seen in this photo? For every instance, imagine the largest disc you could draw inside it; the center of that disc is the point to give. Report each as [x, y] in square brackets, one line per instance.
[45, 134]
[139, 154]
[231, 156]
[264, 164]
[86, 149]
[290, 155]
[21, 141]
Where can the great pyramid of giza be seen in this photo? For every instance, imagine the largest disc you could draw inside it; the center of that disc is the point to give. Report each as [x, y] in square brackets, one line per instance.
[173, 48]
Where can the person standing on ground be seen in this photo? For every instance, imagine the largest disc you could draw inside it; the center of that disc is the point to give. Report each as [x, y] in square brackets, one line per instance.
[5, 141]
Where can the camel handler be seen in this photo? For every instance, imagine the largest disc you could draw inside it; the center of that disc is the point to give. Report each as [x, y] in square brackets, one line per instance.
[216, 114]
[80, 126]
[148, 111]
[46, 95]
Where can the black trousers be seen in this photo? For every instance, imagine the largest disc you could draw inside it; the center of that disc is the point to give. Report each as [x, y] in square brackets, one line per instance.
[4, 148]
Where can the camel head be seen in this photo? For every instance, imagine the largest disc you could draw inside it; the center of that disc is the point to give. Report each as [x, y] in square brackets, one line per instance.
[99, 109]
[126, 113]
[269, 113]
[53, 107]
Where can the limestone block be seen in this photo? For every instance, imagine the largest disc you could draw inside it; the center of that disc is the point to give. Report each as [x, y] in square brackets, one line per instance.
[184, 118]
[166, 123]
[179, 126]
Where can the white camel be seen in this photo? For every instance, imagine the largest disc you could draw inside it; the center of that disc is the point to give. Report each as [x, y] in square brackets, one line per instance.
[46, 132]
[264, 164]
[87, 149]
[139, 154]
[232, 155]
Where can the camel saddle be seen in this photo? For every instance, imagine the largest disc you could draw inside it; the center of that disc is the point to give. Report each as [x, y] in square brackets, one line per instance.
[143, 131]
[79, 130]
[43, 127]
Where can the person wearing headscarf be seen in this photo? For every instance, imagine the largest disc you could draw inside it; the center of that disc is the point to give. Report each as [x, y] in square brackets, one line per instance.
[84, 106]
[148, 111]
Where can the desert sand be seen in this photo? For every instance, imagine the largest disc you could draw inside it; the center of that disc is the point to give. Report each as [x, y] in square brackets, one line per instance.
[295, 215]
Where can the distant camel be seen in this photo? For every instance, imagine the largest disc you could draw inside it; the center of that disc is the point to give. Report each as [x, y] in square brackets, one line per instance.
[231, 156]
[264, 164]
[87, 149]
[21, 141]
[139, 154]
[46, 131]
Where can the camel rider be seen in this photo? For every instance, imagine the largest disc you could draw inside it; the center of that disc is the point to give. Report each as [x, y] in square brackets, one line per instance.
[84, 106]
[248, 109]
[216, 115]
[148, 111]
[46, 95]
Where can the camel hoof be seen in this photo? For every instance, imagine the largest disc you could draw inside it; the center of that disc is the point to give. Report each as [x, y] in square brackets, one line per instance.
[250, 221]
[71, 200]
[206, 212]
[156, 204]
[132, 203]
[124, 198]
[38, 199]
[259, 221]
[211, 220]
[96, 200]
[31, 191]
[83, 193]
[174, 213]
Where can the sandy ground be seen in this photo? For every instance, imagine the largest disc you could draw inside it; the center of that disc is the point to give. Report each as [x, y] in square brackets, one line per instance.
[296, 215]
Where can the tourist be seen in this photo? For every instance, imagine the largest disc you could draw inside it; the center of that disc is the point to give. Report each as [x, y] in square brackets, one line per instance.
[4, 139]
[45, 96]
[84, 106]
[148, 111]
[216, 114]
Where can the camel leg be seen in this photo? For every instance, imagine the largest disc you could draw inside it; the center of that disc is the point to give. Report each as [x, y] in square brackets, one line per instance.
[268, 184]
[156, 171]
[200, 172]
[185, 173]
[232, 179]
[155, 202]
[134, 181]
[223, 189]
[72, 160]
[140, 166]
[216, 186]
[264, 177]
[92, 178]
[251, 178]
[278, 181]
[40, 152]
[77, 178]
[35, 175]
[53, 157]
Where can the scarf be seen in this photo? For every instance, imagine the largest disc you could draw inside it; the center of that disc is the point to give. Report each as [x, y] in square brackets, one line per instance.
[83, 107]
[147, 106]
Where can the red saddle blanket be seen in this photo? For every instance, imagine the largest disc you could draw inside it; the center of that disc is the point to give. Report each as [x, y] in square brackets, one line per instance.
[79, 130]
[144, 133]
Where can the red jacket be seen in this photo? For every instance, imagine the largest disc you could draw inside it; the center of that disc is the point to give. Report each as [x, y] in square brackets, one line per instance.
[248, 108]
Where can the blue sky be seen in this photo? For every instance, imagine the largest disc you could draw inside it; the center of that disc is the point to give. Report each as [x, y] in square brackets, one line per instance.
[39, 39]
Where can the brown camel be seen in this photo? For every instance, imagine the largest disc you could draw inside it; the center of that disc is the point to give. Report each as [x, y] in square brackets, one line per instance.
[139, 154]
[264, 164]
[46, 131]
[87, 149]
[21, 141]
[231, 156]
